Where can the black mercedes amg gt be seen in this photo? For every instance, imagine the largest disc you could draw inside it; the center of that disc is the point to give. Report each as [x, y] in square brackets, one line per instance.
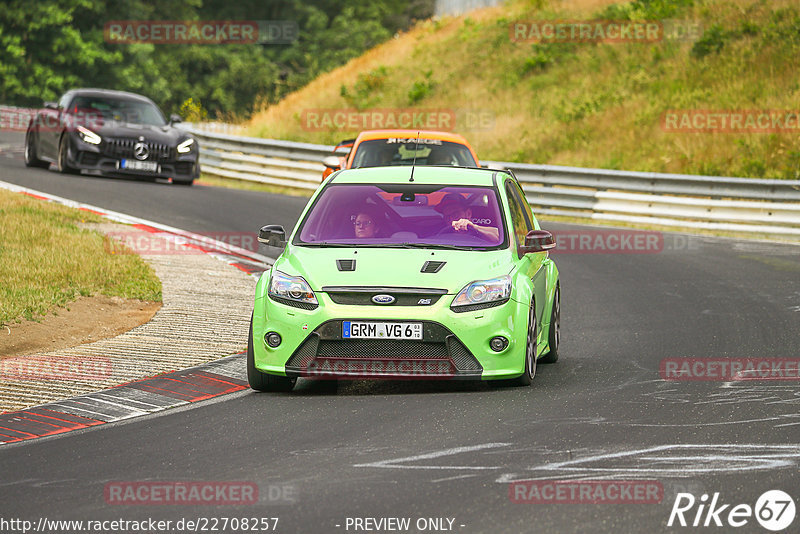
[113, 132]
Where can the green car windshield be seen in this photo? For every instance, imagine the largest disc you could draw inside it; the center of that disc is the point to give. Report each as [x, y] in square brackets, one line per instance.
[406, 215]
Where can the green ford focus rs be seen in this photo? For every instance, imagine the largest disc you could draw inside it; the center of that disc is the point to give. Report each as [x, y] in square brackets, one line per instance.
[407, 272]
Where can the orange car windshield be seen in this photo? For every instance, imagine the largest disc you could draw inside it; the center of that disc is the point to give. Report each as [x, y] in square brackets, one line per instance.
[402, 151]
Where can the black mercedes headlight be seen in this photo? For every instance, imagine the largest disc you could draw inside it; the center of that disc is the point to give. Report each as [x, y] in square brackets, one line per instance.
[88, 136]
[185, 147]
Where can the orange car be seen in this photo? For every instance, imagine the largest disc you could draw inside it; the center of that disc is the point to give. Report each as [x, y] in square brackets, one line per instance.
[378, 148]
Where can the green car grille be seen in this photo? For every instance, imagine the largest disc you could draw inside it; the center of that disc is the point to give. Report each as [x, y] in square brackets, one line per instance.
[438, 345]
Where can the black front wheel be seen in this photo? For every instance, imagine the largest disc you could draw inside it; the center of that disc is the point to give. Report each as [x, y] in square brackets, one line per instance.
[526, 378]
[31, 153]
[264, 381]
[62, 163]
[554, 335]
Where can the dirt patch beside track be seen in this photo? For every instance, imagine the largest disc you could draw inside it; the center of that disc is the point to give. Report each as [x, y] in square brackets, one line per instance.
[82, 321]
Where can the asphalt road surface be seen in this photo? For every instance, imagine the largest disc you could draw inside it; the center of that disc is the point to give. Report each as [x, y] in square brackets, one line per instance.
[443, 454]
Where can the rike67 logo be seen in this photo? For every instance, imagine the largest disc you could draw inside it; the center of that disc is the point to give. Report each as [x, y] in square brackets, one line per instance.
[774, 510]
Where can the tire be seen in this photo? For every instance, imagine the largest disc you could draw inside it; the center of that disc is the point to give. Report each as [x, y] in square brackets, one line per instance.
[61, 161]
[264, 381]
[31, 154]
[183, 182]
[554, 335]
[526, 378]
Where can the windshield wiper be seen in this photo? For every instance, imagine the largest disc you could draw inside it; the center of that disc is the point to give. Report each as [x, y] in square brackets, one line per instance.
[326, 244]
[350, 245]
[436, 245]
[386, 245]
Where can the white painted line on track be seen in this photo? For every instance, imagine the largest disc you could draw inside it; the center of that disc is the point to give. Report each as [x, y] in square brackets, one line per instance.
[457, 477]
[393, 463]
[667, 461]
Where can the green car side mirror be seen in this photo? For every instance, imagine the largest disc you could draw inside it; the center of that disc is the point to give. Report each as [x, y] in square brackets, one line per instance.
[272, 235]
[538, 241]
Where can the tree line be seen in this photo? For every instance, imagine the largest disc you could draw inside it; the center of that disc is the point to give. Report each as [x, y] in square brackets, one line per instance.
[49, 46]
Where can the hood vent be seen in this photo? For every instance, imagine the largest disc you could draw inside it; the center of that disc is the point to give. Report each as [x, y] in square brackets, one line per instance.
[346, 265]
[432, 266]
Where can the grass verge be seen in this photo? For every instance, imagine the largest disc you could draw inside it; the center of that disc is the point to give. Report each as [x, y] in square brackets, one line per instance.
[46, 260]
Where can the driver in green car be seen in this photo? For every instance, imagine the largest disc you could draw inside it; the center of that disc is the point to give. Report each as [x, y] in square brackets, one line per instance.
[366, 224]
[457, 214]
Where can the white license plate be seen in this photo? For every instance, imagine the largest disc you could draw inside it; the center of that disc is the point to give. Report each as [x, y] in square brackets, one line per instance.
[370, 330]
[134, 165]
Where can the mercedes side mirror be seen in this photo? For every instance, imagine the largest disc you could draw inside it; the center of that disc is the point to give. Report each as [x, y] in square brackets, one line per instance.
[51, 105]
[538, 241]
[272, 235]
[175, 118]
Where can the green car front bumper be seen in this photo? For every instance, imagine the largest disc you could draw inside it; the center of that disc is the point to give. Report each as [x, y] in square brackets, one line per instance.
[454, 345]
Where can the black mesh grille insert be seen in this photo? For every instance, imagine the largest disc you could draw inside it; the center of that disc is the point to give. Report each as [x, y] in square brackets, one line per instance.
[476, 307]
[381, 348]
[462, 358]
[305, 352]
[432, 266]
[346, 265]
[296, 304]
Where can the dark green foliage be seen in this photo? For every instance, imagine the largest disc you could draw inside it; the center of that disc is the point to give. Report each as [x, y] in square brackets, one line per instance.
[49, 46]
[712, 41]
[659, 9]
[421, 89]
[366, 90]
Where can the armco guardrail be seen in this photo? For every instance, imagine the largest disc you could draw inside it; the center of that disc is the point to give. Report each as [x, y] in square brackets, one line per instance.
[770, 207]
[767, 207]
[261, 160]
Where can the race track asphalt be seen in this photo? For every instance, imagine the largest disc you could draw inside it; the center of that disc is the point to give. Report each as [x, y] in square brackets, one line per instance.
[449, 450]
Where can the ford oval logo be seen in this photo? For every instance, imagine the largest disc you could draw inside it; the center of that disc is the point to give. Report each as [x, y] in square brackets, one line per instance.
[383, 299]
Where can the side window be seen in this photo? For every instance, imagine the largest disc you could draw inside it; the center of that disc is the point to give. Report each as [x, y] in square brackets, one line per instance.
[62, 104]
[525, 206]
[518, 218]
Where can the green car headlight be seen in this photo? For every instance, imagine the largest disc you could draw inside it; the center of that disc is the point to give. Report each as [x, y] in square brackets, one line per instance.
[483, 294]
[291, 290]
